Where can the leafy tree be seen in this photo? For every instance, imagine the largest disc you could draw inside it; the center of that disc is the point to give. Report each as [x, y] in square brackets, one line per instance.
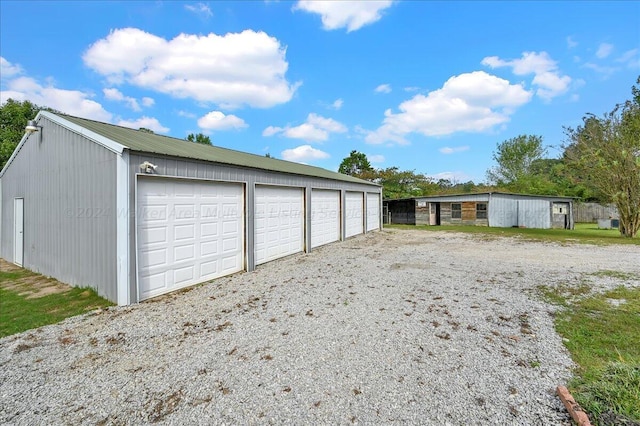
[356, 164]
[605, 153]
[268, 155]
[403, 183]
[199, 138]
[515, 158]
[145, 130]
[13, 119]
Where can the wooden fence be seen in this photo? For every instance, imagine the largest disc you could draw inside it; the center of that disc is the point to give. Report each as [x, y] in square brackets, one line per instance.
[591, 212]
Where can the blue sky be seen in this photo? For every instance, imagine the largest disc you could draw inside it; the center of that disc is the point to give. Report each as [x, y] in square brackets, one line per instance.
[424, 86]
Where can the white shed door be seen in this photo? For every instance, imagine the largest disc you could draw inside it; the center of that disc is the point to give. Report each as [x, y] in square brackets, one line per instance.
[325, 217]
[279, 226]
[354, 207]
[18, 231]
[373, 212]
[188, 232]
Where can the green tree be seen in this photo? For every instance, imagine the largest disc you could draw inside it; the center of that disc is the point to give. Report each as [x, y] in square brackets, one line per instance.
[145, 130]
[199, 138]
[356, 164]
[403, 183]
[515, 158]
[605, 154]
[13, 119]
[268, 155]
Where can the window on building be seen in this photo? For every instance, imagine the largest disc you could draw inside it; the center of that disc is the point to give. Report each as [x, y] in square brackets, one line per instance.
[481, 210]
[456, 211]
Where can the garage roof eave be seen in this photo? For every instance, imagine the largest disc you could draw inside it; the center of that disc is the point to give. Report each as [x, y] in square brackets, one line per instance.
[143, 142]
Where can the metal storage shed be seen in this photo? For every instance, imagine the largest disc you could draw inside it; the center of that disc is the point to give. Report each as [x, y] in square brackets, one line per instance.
[135, 215]
[495, 209]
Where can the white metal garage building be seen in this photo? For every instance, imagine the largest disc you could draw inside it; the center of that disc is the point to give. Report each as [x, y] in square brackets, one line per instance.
[136, 215]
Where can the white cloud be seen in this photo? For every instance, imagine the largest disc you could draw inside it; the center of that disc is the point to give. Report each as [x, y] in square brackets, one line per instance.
[453, 177]
[187, 114]
[571, 43]
[146, 122]
[72, 102]
[376, 158]
[337, 104]
[411, 89]
[113, 94]
[216, 120]
[349, 14]
[7, 69]
[307, 132]
[631, 58]
[604, 70]
[315, 129]
[471, 102]
[604, 50]
[328, 124]
[383, 88]
[271, 130]
[546, 74]
[453, 150]
[303, 154]
[231, 70]
[200, 9]
[148, 102]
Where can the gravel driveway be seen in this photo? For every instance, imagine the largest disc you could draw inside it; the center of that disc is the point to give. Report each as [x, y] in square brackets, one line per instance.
[395, 326]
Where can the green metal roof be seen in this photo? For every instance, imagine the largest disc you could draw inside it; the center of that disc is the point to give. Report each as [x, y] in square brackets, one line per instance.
[140, 141]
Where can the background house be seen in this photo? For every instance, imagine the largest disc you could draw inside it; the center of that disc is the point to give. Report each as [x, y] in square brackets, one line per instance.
[135, 215]
[495, 209]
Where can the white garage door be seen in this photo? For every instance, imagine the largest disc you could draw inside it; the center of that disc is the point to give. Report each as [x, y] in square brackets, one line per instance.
[279, 222]
[354, 206]
[325, 217]
[188, 232]
[373, 212]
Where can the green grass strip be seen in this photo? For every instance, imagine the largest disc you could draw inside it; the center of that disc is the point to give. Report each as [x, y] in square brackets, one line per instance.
[602, 333]
[584, 233]
[17, 313]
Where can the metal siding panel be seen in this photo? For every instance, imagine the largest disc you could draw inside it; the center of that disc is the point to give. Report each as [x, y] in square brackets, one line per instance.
[1, 240]
[503, 211]
[123, 255]
[68, 184]
[170, 167]
[534, 213]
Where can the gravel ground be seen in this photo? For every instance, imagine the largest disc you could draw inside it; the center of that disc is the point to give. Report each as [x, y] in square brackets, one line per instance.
[390, 327]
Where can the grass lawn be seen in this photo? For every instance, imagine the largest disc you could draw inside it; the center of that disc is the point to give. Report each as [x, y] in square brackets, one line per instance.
[602, 333]
[587, 233]
[29, 300]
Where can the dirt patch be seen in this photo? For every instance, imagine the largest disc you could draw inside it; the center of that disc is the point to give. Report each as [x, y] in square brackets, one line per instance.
[29, 284]
[8, 267]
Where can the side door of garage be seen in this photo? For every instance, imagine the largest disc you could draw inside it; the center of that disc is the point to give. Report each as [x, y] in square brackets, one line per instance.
[325, 217]
[279, 222]
[188, 232]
